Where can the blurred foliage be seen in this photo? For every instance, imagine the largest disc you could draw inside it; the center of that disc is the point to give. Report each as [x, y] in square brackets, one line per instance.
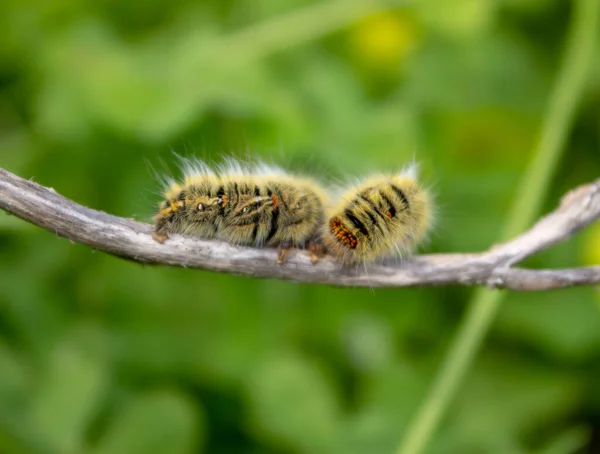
[103, 356]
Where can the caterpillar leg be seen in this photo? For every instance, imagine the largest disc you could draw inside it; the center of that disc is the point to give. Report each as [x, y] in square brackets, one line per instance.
[159, 237]
[317, 250]
[283, 251]
[159, 234]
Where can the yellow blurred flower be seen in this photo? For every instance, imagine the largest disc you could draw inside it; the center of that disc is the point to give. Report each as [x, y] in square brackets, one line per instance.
[384, 40]
[590, 253]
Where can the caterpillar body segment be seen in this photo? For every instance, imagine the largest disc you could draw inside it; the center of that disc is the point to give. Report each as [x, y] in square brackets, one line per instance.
[271, 210]
[382, 216]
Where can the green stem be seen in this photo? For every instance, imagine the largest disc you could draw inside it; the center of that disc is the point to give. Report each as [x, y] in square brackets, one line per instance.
[233, 51]
[534, 185]
[278, 33]
[296, 27]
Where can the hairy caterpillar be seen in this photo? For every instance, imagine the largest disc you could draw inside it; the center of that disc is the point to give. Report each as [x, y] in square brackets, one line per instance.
[381, 216]
[242, 204]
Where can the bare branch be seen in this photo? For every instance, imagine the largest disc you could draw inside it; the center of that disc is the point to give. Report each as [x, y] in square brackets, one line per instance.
[132, 240]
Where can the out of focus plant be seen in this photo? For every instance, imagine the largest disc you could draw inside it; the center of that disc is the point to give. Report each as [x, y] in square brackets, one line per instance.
[103, 356]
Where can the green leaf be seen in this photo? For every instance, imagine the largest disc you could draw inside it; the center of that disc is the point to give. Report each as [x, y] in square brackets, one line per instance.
[13, 376]
[505, 399]
[386, 402]
[17, 436]
[564, 324]
[294, 403]
[160, 422]
[70, 389]
[574, 439]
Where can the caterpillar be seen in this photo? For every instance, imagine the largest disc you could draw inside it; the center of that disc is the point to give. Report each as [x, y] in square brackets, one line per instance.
[244, 204]
[381, 216]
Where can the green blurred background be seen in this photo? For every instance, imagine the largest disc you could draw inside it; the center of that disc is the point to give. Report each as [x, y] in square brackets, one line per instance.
[102, 356]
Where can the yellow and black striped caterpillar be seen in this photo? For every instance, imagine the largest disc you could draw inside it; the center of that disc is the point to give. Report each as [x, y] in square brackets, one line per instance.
[256, 205]
[382, 216]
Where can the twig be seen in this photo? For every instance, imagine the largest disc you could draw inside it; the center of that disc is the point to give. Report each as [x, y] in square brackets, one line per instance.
[132, 240]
